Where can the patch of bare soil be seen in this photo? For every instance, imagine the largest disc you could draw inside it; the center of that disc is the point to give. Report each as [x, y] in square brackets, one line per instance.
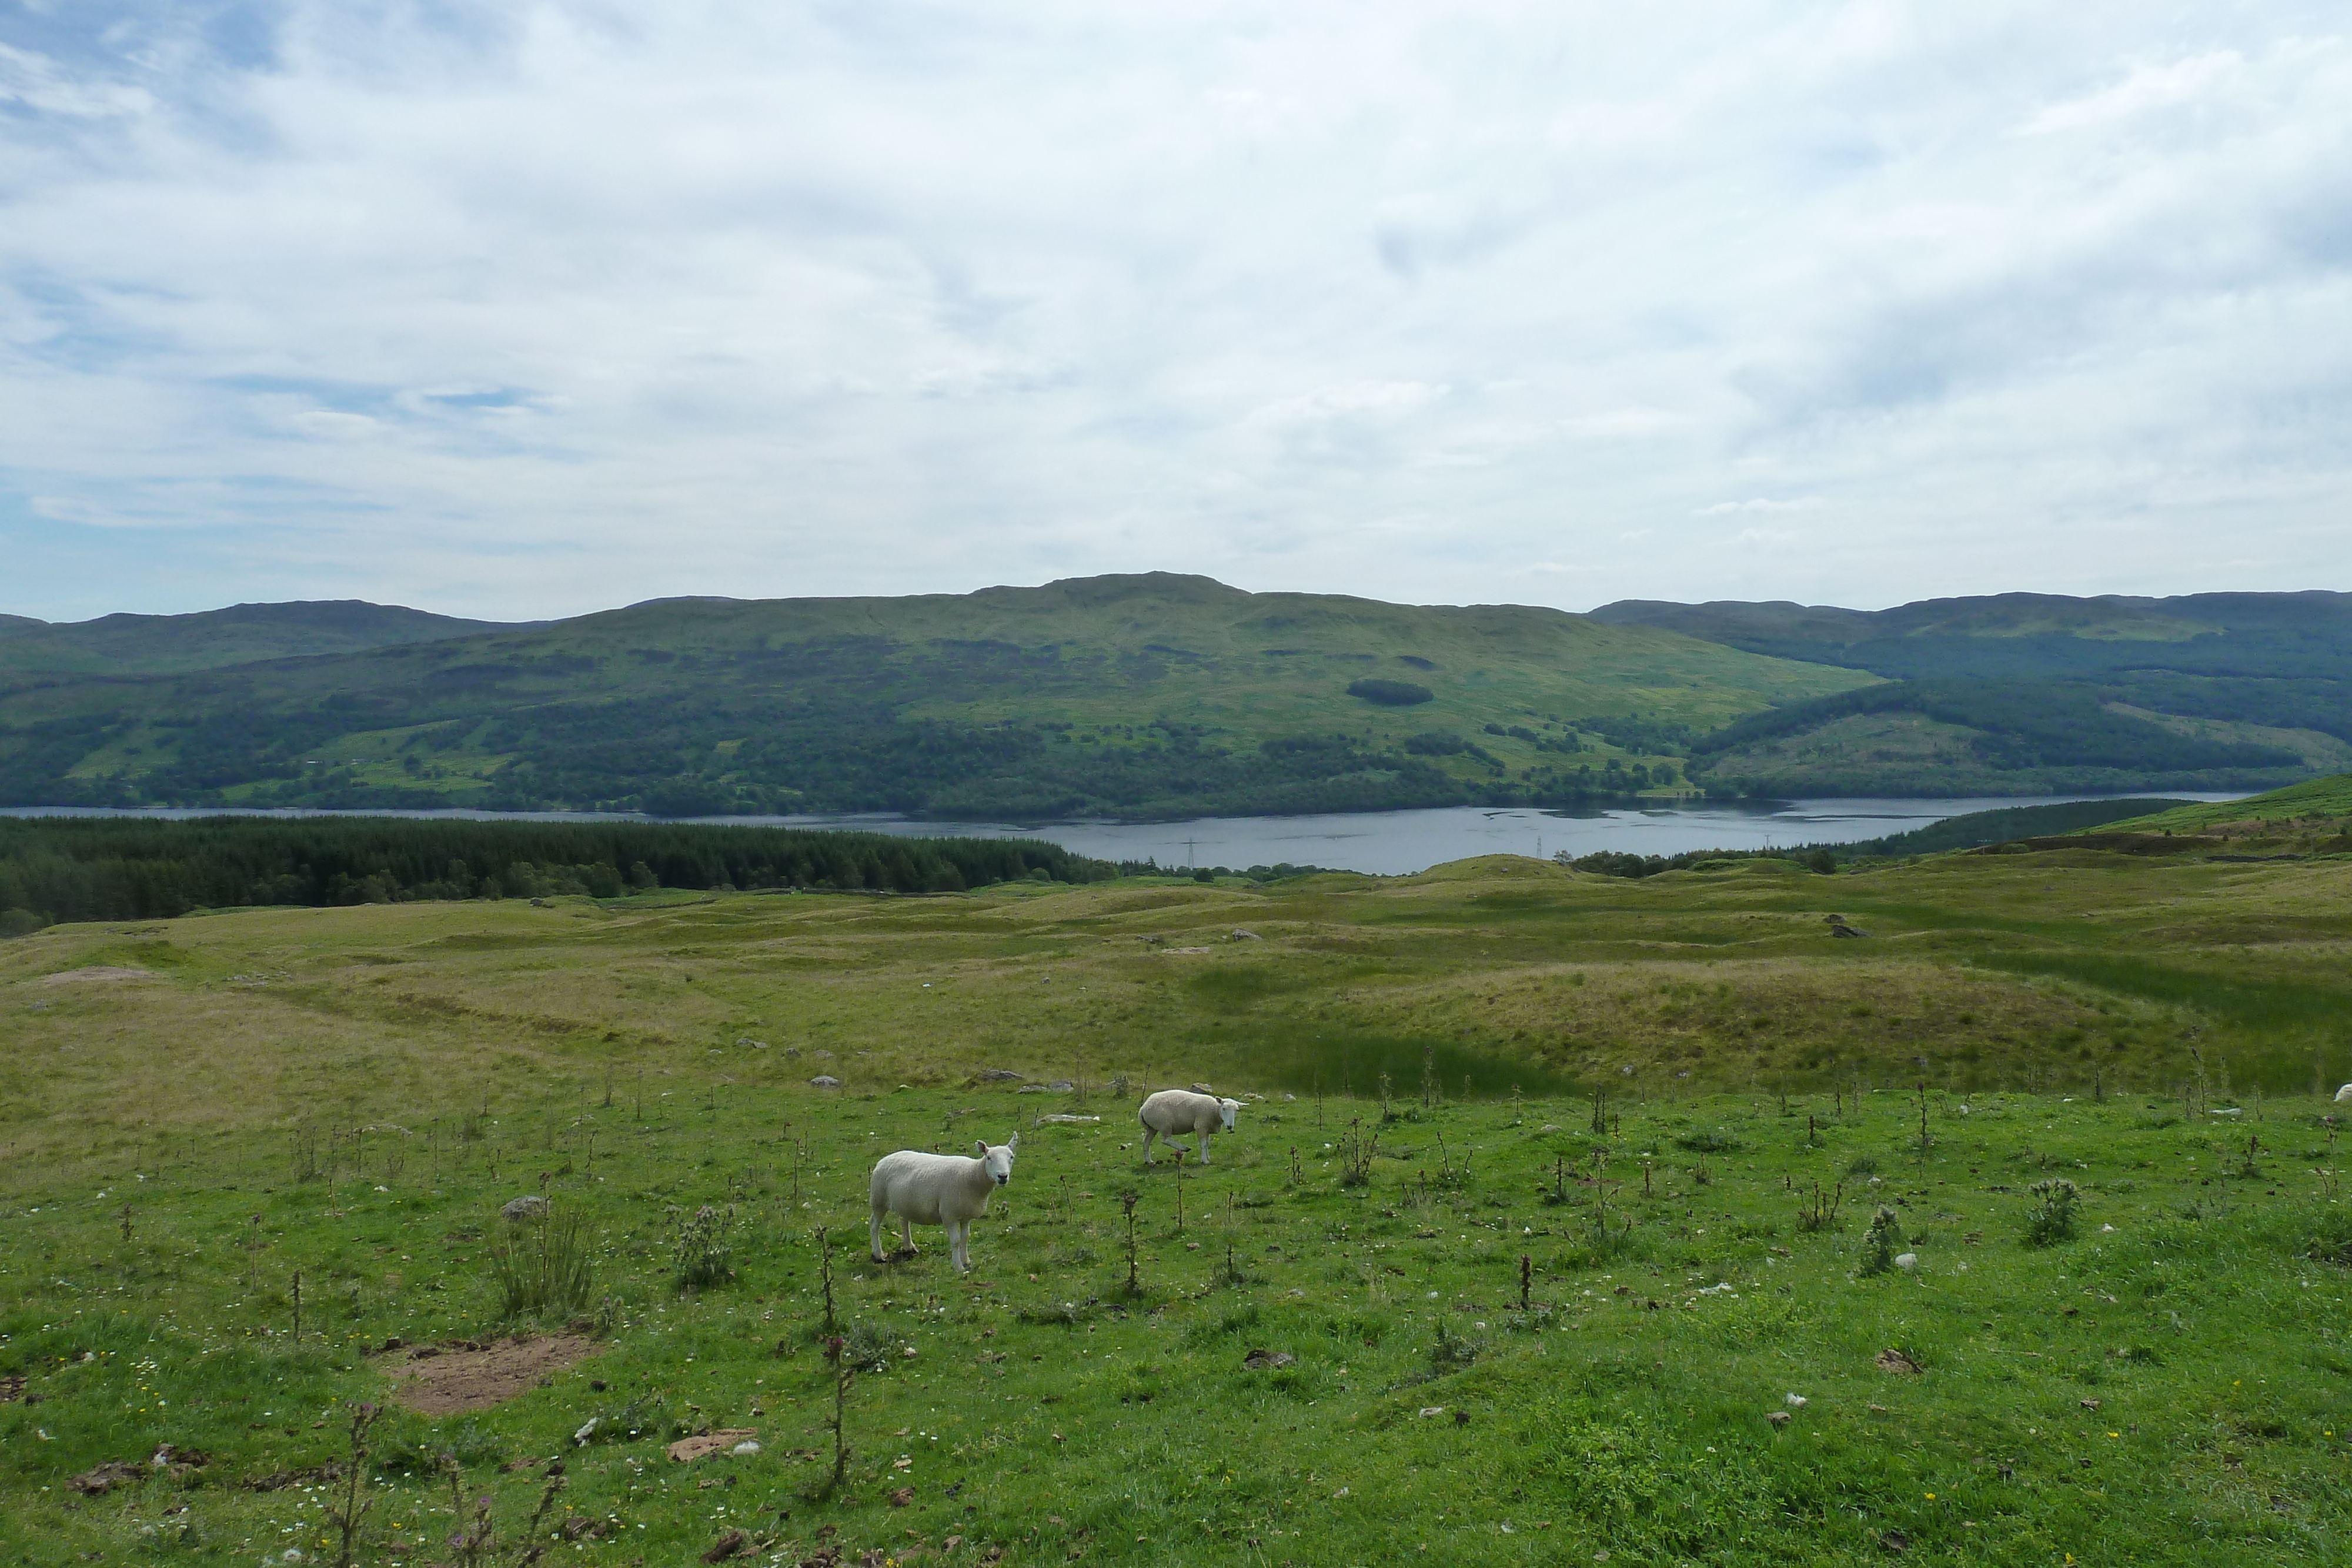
[686, 1451]
[448, 1379]
[1896, 1362]
[98, 973]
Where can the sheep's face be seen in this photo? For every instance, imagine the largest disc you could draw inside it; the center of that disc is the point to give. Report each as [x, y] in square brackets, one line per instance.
[998, 1161]
[1231, 1108]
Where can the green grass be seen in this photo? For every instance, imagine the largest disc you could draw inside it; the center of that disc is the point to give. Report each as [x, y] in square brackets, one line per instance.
[639, 1058]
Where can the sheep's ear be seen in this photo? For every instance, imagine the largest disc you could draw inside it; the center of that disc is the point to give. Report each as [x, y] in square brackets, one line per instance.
[1013, 1142]
[982, 1144]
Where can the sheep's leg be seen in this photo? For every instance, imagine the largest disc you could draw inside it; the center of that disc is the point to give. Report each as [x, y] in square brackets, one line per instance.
[1202, 1139]
[960, 1246]
[907, 1231]
[873, 1233]
[1147, 1145]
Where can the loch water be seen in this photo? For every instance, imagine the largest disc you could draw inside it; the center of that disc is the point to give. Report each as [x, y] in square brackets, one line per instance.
[1388, 844]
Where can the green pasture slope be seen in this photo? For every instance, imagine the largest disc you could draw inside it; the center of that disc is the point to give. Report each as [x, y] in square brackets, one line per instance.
[1541, 1328]
[2323, 806]
[1144, 695]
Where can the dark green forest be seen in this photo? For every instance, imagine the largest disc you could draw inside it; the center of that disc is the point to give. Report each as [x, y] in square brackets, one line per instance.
[63, 868]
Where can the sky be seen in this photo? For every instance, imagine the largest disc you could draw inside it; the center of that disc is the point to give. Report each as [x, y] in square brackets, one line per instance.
[539, 306]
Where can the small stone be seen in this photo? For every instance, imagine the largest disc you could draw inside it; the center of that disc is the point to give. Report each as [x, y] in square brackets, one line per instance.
[529, 1206]
[1907, 1261]
[824, 1081]
[1778, 1417]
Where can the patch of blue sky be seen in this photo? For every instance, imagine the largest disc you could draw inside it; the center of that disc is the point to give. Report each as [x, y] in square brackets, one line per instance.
[84, 332]
[332, 396]
[241, 34]
[500, 397]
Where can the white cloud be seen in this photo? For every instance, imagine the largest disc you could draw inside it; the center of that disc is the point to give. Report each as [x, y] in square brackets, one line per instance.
[1757, 504]
[527, 309]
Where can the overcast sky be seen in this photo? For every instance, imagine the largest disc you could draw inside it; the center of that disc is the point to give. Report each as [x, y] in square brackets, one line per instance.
[526, 309]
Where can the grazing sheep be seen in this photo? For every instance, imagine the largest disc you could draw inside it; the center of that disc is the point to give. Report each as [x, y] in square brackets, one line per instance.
[938, 1189]
[1174, 1112]
[2344, 1095]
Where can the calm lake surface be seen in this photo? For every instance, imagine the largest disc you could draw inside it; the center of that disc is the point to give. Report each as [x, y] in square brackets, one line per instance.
[1389, 843]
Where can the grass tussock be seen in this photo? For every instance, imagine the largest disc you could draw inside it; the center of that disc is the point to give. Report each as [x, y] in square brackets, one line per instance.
[543, 1269]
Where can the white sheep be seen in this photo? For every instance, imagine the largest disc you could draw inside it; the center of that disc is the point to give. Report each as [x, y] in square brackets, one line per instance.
[938, 1189]
[1174, 1112]
[2344, 1095]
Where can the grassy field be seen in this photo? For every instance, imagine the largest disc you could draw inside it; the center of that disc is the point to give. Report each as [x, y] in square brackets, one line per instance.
[1539, 1329]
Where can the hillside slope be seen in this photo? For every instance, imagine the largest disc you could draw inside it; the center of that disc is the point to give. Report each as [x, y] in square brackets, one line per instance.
[2026, 693]
[1141, 695]
[2307, 819]
[216, 639]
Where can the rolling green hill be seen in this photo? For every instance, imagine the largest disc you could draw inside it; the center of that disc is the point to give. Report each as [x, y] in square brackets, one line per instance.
[1141, 695]
[2020, 694]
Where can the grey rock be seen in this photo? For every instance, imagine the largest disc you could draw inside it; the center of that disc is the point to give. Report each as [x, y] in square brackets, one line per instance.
[1203, 1089]
[824, 1081]
[1241, 935]
[529, 1206]
[1000, 1075]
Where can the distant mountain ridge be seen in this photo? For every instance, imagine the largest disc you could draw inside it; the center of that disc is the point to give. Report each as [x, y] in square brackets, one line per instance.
[2041, 634]
[2030, 693]
[218, 638]
[1162, 694]
[1144, 695]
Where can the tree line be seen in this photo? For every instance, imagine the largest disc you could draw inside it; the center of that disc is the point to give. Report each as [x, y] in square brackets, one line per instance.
[58, 868]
